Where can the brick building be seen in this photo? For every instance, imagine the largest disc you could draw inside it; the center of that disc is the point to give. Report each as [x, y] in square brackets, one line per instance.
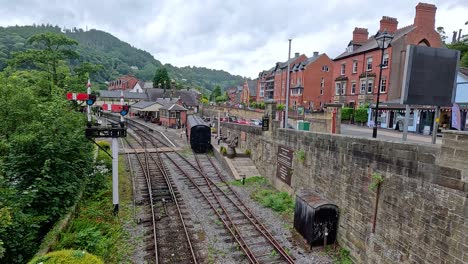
[249, 91]
[356, 70]
[126, 82]
[310, 81]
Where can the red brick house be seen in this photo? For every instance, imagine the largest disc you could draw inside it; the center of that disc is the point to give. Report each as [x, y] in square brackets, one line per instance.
[249, 91]
[126, 82]
[355, 71]
[311, 82]
[280, 77]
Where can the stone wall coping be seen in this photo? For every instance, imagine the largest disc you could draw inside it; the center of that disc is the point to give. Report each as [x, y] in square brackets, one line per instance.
[322, 134]
[456, 132]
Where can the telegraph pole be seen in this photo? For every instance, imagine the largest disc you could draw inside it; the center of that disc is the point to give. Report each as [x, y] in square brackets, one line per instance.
[285, 125]
[88, 106]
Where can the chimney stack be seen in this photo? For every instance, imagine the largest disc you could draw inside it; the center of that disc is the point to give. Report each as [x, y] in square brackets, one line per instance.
[296, 55]
[316, 53]
[425, 15]
[389, 24]
[360, 35]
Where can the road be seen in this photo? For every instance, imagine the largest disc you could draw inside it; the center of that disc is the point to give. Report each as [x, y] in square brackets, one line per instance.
[386, 134]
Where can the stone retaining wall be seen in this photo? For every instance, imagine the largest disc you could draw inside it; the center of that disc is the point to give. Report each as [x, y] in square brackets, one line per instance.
[422, 209]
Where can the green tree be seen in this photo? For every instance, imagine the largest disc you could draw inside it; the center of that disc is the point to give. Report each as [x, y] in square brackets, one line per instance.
[442, 34]
[52, 48]
[161, 77]
[216, 93]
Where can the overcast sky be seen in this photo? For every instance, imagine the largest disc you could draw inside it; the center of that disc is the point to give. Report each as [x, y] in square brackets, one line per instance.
[239, 36]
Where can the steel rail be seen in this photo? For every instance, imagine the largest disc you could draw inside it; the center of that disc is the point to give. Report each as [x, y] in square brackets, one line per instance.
[166, 176]
[243, 246]
[253, 219]
[148, 183]
[265, 231]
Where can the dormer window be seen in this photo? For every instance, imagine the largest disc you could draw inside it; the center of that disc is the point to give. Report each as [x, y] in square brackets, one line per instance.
[350, 48]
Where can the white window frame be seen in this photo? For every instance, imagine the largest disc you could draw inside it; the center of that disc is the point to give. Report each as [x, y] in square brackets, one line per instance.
[353, 88]
[343, 69]
[381, 82]
[355, 66]
[337, 88]
[343, 88]
[321, 91]
[363, 85]
[385, 61]
[322, 82]
[370, 84]
[369, 64]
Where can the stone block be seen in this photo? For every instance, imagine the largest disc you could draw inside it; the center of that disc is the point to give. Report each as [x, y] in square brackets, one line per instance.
[450, 172]
[449, 183]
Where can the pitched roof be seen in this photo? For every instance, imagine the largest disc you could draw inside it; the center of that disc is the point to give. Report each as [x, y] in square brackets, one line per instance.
[143, 104]
[189, 98]
[371, 44]
[167, 101]
[173, 107]
[127, 95]
[252, 87]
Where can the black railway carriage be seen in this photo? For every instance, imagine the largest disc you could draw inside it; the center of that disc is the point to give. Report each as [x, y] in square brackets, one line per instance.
[198, 134]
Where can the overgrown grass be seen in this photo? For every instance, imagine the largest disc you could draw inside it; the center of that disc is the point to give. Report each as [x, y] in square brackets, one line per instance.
[267, 196]
[250, 182]
[95, 228]
[280, 202]
[339, 255]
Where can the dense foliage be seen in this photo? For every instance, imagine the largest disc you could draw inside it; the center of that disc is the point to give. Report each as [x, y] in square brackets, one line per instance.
[95, 228]
[346, 113]
[44, 156]
[67, 257]
[161, 78]
[115, 56]
[360, 115]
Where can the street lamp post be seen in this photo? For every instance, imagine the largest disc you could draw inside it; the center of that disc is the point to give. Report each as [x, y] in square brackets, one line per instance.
[383, 41]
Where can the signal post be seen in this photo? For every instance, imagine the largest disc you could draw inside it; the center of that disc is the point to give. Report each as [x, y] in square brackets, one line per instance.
[113, 131]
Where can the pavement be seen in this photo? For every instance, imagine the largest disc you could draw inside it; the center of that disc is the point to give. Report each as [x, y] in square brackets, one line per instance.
[386, 134]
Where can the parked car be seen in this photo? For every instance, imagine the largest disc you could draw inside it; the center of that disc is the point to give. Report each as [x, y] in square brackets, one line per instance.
[243, 122]
[256, 122]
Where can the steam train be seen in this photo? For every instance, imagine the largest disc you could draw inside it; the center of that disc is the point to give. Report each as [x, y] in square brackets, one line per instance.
[198, 134]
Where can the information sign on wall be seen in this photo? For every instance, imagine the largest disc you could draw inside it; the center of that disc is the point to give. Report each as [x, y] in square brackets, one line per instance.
[265, 123]
[284, 167]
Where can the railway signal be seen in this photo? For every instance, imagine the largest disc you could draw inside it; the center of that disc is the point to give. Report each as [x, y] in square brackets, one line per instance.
[91, 99]
[125, 110]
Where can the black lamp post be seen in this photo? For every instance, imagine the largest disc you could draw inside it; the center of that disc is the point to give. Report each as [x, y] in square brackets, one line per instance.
[383, 41]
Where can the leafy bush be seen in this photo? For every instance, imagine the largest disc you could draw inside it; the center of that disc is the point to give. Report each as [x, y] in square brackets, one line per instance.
[377, 179]
[67, 257]
[280, 107]
[261, 105]
[300, 154]
[278, 201]
[360, 115]
[346, 113]
[248, 152]
[223, 150]
[253, 104]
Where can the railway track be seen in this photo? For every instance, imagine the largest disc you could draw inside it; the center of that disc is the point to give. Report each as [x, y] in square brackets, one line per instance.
[258, 245]
[251, 236]
[169, 240]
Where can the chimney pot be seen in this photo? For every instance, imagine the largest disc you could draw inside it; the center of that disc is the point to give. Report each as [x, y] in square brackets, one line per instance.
[425, 15]
[296, 54]
[360, 35]
[389, 24]
[316, 53]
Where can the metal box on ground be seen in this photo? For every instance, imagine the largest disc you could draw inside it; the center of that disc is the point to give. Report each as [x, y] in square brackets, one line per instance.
[315, 218]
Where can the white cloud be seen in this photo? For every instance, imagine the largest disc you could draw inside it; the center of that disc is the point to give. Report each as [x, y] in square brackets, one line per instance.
[240, 36]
